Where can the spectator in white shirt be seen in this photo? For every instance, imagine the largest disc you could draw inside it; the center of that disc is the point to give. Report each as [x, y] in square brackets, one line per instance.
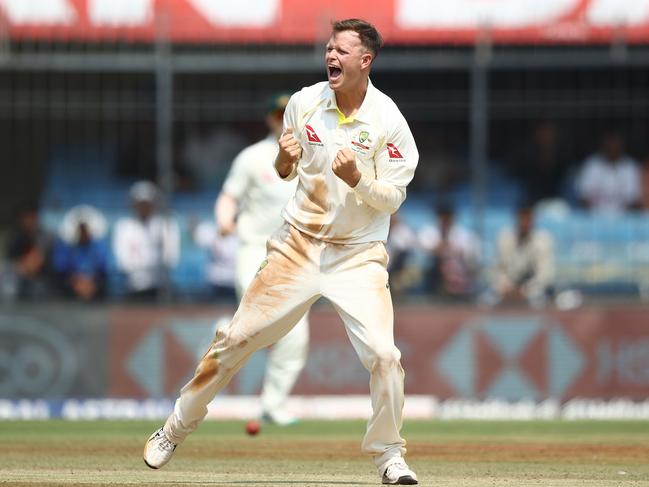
[456, 256]
[146, 245]
[524, 266]
[609, 181]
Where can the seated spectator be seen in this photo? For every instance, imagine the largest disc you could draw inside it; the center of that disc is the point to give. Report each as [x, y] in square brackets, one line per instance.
[455, 253]
[222, 254]
[80, 256]
[539, 164]
[146, 245]
[28, 254]
[402, 241]
[609, 181]
[524, 264]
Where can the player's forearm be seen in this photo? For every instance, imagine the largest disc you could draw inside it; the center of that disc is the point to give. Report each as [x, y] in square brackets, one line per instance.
[225, 211]
[285, 168]
[379, 194]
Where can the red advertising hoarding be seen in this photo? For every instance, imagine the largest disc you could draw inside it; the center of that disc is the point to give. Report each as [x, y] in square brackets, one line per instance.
[446, 352]
[297, 21]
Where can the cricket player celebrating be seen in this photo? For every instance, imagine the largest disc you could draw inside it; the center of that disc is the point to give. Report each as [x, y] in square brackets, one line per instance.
[251, 204]
[353, 155]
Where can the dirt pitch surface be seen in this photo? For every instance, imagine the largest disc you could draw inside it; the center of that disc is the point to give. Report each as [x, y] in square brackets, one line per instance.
[443, 453]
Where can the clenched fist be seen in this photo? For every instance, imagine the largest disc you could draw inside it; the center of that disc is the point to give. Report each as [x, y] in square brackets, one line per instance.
[344, 166]
[289, 153]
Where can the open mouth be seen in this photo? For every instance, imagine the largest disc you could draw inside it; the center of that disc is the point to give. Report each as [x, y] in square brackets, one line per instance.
[334, 72]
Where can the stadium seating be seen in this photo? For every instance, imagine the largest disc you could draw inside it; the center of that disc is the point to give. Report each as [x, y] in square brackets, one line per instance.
[593, 253]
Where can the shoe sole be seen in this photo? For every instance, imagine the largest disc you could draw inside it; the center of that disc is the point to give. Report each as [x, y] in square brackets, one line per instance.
[405, 480]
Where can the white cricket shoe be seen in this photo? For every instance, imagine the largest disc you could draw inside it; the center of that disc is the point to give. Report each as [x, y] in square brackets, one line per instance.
[397, 472]
[279, 418]
[158, 450]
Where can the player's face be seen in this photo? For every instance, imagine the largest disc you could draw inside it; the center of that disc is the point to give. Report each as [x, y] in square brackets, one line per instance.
[345, 60]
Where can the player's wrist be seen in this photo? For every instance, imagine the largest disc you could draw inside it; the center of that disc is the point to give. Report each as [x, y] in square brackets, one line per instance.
[284, 168]
[354, 179]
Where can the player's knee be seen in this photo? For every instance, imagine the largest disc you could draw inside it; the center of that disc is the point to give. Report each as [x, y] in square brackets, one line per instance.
[233, 337]
[385, 359]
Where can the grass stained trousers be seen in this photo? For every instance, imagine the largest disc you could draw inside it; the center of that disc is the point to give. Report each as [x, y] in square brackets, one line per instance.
[288, 356]
[299, 270]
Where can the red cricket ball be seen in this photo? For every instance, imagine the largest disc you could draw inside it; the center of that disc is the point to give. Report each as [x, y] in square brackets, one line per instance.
[253, 427]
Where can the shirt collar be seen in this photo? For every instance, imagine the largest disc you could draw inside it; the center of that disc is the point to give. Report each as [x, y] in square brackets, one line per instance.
[364, 112]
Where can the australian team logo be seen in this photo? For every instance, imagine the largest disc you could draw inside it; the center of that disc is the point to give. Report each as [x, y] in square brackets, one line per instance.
[312, 136]
[394, 153]
[360, 146]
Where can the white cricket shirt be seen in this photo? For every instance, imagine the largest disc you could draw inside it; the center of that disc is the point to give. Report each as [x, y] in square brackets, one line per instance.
[143, 248]
[261, 194]
[323, 205]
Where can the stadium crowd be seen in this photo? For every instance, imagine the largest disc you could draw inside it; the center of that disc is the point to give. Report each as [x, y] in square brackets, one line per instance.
[136, 255]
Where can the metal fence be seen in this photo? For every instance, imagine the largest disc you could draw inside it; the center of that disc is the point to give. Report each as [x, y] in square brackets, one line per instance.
[78, 121]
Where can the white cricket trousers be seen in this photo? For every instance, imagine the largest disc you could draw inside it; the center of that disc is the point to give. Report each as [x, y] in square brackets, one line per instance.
[288, 356]
[299, 270]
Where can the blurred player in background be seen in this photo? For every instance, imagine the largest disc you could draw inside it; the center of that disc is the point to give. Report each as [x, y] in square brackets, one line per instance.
[251, 204]
[354, 155]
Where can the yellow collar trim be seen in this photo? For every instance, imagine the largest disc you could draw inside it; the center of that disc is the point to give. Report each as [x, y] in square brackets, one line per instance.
[342, 119]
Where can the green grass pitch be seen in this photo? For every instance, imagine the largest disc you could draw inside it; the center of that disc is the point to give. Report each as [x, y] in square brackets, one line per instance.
[318, 453]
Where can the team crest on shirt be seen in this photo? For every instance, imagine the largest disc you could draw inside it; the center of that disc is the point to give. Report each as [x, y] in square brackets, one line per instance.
[312, 137]
[359, 145]
[394, 153]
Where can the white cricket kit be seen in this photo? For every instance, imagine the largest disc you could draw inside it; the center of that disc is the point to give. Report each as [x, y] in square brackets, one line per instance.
[324, 206]
[331, 246]
[261, 196]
